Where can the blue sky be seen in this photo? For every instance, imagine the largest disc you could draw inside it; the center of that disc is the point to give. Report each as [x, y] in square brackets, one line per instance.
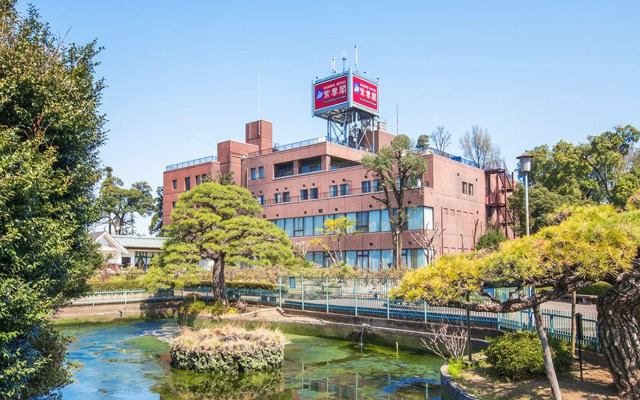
[182, 76]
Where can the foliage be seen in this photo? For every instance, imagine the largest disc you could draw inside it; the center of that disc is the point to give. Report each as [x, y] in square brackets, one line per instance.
[228, 350]
[118, 206]
[334, 232]
[596, 289]
[455, 367]
[543, 204]
[397, 169]
[441, 138]
[490, 240]
[605, 169]
[216, 309]
[226, 178]
[423, 142]
[590, 245]
[155, 227]
[518, 355]
[252, 285]
[216, 222]
[478, 147]
[50, 132]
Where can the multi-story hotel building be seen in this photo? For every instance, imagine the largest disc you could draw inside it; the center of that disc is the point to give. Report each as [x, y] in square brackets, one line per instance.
[300, 185]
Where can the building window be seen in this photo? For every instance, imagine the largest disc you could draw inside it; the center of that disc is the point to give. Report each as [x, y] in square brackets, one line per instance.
[260, 199]
[282, 170]
[344, 189]
[204, 178]
[362, 259]
[362, 221]
[376, 186]
[313, 193]
[310, 165]
[366, 186]
[277, 198]
[198, 181]
[304, 194]
[175, 183]
[333, 190]
[285, 197]
[173, 205]
[471, 189]
[464, 187]
[298, 226]
[187, 183]
[260, 172]
[126, 261]
[253, 174]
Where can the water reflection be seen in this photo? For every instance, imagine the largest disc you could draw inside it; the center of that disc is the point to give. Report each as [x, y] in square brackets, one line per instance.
[130, 361]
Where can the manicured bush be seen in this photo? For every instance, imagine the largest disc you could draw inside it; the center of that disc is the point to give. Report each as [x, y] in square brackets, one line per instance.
[490, 240]
[228, 350]
[597, 289]
[251, 285]
[519, 355]
[196, 307]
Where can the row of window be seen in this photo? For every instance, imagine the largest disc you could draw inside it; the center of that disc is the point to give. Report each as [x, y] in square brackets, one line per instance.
[187, 182]
[372, 260]
[467, 188]
[260, 174]
[313, 194]
[366, 221]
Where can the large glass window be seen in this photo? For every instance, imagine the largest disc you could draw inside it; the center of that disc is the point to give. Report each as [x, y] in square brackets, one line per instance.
[352, 217]
[366, 186]
[374, 260]
[260, 172]
[280, 223]
[333, 190]
[187, 183]
[385, 226]
[362, 221]
[288, 226]
[318, 257]
[374, 221]
[416, 218]
[308, 226]
[428, 217]
[376, 186]
[304, 194]
[284, 169]
[344, 189]
[362, 259]
[313, 193]
[253, 174]
[387, 259]
[310, 165]
[318, 224]
[351, 258]
[298, 226]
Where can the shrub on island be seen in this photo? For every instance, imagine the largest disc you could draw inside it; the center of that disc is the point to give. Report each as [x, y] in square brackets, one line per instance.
[228, 350]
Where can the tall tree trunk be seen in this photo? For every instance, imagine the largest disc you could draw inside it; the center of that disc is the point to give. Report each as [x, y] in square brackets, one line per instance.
[218, 289]
[397, 248]
[546, 350]
[619, 332]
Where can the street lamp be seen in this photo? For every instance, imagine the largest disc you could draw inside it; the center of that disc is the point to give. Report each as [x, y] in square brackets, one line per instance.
[525, 166]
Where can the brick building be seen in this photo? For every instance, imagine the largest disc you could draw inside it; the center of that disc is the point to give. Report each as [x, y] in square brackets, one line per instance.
[299, 185]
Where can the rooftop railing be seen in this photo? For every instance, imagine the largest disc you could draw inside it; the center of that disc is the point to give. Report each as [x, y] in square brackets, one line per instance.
[281, 147]
[454, 158]
[191, 162]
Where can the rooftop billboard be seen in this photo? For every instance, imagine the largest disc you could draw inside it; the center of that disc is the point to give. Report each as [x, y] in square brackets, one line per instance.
[345, 91]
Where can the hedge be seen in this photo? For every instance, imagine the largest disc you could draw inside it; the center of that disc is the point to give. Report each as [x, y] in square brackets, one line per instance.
[597, 289]
[134, 284]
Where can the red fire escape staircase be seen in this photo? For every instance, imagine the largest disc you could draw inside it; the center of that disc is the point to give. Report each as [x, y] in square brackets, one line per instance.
[500, 186]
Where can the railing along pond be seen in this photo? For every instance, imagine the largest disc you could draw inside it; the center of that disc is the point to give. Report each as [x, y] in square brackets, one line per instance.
[364, 297]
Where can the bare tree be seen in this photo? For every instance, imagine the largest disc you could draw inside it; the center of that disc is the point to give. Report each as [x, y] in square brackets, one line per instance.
[441, 138]
[426, 239]
[479, 148]
[446, 341]
[301, 249]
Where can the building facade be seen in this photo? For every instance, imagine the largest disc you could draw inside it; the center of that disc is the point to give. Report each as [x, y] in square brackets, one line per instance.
[302, 184]
[126, 251]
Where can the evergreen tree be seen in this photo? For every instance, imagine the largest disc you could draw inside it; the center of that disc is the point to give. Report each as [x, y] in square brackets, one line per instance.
[50, 132]
[216, 222]
[156, 219]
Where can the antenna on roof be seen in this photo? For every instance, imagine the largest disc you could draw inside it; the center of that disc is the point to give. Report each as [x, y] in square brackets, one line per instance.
[344, 60]
[356, 48]
[333, 64]
[259, 84]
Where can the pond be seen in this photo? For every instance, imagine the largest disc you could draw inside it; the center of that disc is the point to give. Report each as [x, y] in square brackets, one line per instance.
[131, 361]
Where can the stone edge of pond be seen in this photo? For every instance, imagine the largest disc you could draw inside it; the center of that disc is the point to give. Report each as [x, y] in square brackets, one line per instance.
[451, 387]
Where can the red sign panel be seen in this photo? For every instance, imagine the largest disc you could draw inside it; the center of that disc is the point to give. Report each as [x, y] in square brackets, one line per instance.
[331, 93]
[365, 93]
